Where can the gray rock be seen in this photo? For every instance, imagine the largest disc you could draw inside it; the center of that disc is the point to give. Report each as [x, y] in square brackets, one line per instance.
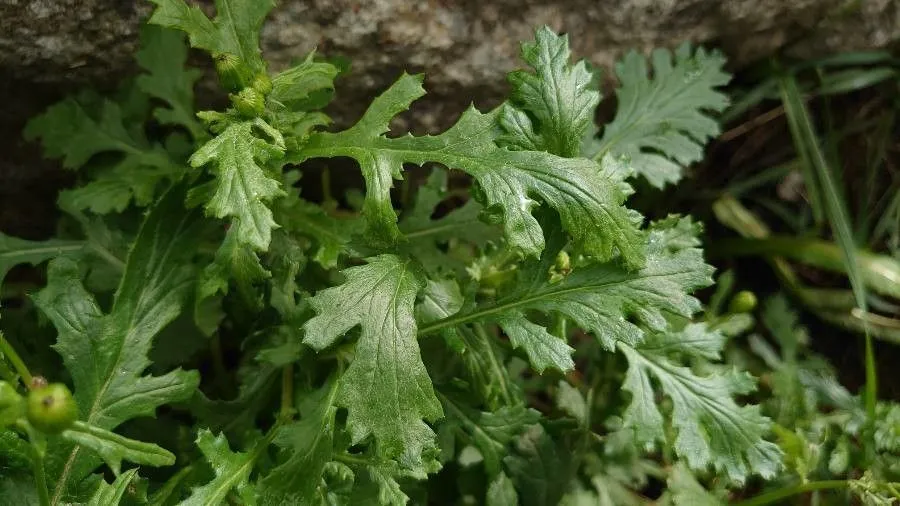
[462, 45]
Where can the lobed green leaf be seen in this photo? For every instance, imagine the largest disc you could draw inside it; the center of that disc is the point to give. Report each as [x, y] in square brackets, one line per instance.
[234, 31]
[243, 187]
[231, 470]
[163, 56]
[586, 198]
[712, 429]
[661, 123]
[310, 445]
[605, 299]
[386, 389]
[562, 98]
[112, 494]
[106, 355]
[113, 448]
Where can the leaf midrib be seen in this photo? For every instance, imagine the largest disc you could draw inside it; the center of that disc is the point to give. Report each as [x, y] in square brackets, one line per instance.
[501, 307]
[20, 252]
[94, 411]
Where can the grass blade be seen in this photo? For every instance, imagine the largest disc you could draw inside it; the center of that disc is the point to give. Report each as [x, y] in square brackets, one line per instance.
[819, 176]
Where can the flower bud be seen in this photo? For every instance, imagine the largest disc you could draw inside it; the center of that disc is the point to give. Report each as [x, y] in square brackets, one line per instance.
[233, 73]
[249, 102]
[262, 84]
[51, 409]
[743, 302]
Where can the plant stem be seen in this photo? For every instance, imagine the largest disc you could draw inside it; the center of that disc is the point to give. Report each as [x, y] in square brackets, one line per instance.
[560, 327]
[38, 446]
[348, 459]
[776, 495]
[9, 352]
[40, 477]
[106, 255]
[287, 392]
[497, 369]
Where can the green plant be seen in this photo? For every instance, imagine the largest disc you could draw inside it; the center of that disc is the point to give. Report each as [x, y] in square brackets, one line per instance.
[534, 345]
[821, 426]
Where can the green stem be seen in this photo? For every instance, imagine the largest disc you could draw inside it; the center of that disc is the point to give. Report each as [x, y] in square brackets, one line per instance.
[777, 495]
[38, 447]
[106, 255]
[496, 367]
[352, 460]
[9, 352]
[287, 392]
[40, 477]
[879, 272]
[560, 327]
[871, 391]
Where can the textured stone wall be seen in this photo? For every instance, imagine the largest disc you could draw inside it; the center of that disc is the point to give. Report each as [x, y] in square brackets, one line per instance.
[51, 47]
[462, 43]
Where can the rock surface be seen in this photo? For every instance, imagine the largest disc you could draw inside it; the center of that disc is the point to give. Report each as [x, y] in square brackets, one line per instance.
[461, 43]
[50, 47]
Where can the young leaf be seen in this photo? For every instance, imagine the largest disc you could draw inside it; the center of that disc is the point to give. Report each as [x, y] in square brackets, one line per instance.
[587, 200]
[570, 400]
[231, 469]
[15, 251]
[297, 87]
[113, 448]
[111, 495]
[712, 430]
[560, 96]
[310, 443]
[163, 55]
[242, 186]
[491, 433]
[660, 122]
[386, 389]
[287, 260]
[603, 298]
[235, 31]
[115, 188]
[107, 354]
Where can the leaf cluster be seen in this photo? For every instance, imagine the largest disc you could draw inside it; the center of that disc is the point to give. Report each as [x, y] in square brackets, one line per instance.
[391, 351]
